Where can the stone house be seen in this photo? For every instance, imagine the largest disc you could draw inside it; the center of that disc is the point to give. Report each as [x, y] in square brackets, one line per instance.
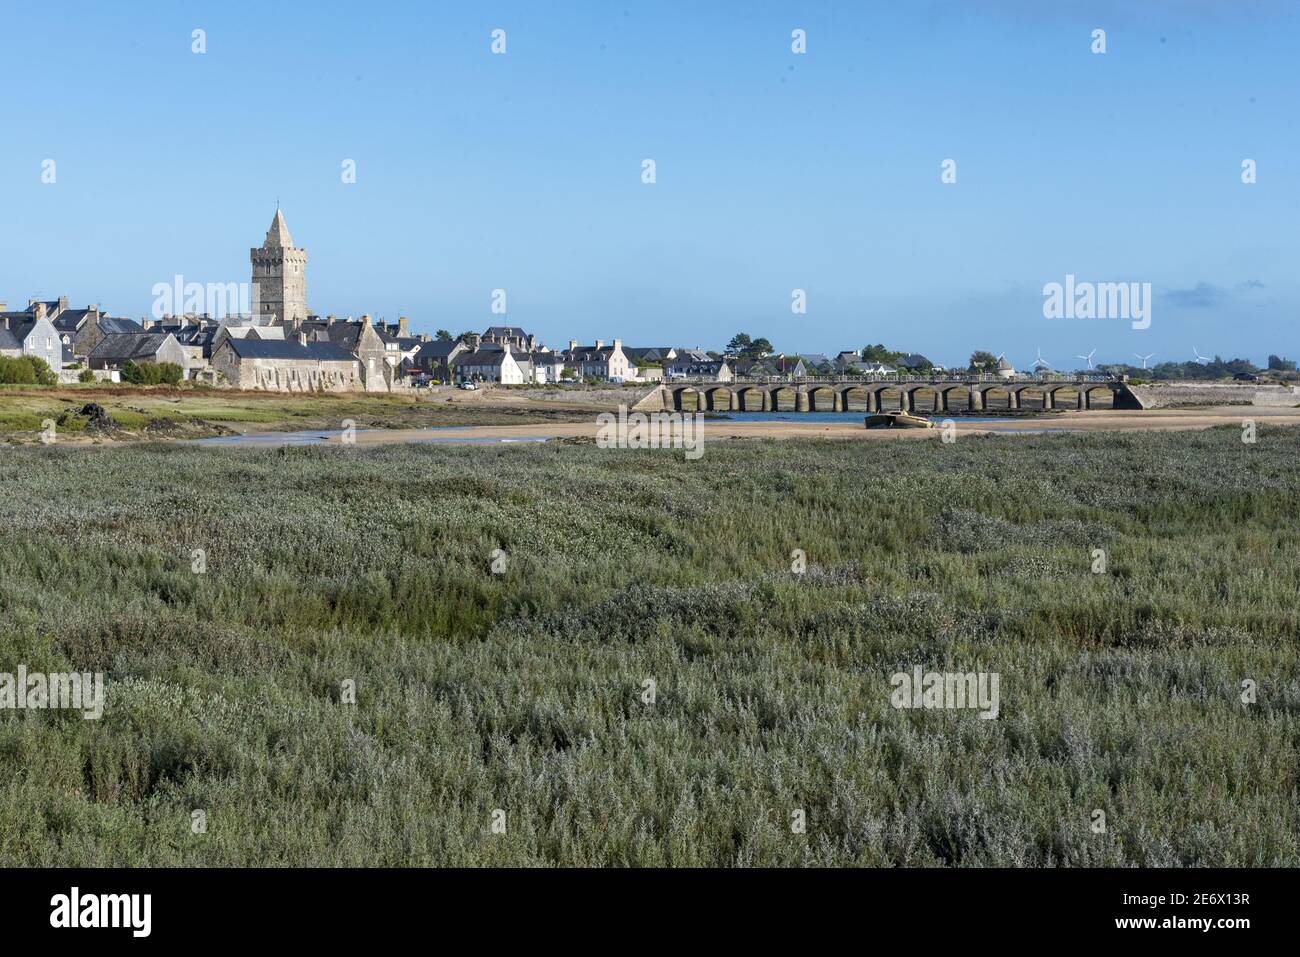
[599, 361]
[116, 350]
[547, 367]
[360, 339]
[35, 336]
[297, 364]
[434, 358]
[88, 336]
[512, 336]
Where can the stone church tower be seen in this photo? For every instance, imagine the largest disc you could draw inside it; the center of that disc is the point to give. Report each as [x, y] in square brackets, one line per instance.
[279, 274]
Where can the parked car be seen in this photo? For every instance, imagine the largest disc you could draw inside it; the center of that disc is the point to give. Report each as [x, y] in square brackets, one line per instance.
[468, 385]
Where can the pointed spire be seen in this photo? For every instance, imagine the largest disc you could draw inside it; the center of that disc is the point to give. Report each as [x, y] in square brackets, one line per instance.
[278, 235]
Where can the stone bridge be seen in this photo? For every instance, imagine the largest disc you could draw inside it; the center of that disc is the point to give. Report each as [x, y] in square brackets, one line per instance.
[936, 395]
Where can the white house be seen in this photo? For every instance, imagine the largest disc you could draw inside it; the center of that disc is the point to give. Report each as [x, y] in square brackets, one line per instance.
[488, 365]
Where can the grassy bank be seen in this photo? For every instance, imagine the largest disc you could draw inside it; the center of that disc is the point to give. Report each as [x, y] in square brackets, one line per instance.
[144, 413]
[523, 691]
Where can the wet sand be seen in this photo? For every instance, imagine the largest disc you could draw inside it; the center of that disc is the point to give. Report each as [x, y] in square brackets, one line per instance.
[1095, 421]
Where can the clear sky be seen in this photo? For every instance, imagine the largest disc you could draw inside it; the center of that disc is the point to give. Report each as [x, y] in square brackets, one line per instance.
[775, 171]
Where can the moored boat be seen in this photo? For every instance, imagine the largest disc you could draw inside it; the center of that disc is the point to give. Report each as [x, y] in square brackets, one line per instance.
[897, 420]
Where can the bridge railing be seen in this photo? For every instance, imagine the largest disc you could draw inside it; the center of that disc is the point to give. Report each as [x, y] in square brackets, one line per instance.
[892, 379]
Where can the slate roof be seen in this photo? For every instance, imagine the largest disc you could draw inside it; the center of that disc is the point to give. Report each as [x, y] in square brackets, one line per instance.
[114, 325]
[70, 320]
[122, 347]
[23, 327]
[485, 357]
[249, 348]
[7, 340]
[437, 349]
[915, 361]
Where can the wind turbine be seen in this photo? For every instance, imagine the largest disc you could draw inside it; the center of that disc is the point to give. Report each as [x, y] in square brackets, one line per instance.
[1143, 358]
[1088, 357]
[1040, 362]
[1198, 356]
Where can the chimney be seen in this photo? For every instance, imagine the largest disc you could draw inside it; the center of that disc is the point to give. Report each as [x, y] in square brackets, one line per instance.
[618, 343]
[329, 320]
[600, 343]
[301, 337]
[93, 307]
[40, 310]
[147, 323]
[63, 303]
[401, 327]
[3, 306]
[365, 319]
[573, 345]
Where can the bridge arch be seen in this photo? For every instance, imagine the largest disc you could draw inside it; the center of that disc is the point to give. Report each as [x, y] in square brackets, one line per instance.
[933, 401]
[751, 398]
[783, 393]
[823, 398]
[679, 399]
[857, 398]
[711, 398]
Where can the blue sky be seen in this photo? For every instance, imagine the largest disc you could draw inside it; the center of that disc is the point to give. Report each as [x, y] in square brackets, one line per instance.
[775, 171]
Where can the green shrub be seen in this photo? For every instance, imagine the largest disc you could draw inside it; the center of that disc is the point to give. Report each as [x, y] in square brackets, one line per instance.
[26, 370]
[152, 373]
[86, 376]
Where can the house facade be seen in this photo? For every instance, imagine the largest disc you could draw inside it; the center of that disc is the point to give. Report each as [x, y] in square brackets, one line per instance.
[34, 337]
[292, 365]
[600, 361]
[489, 364]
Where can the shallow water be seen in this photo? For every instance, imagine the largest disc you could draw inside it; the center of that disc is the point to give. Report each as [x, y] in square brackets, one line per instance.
[319, 436]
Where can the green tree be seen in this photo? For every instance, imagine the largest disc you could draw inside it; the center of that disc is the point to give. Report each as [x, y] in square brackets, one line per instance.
[740, 343]
[981, 361]
[878, 353]
[442, 335]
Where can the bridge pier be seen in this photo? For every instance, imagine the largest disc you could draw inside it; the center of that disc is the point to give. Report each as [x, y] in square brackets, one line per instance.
[836, 406]
[976, 401]
[1049, 400]
[1013, 398]
[801, 403]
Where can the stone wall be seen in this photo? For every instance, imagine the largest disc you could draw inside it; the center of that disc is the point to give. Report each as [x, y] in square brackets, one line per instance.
[1167, 395]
